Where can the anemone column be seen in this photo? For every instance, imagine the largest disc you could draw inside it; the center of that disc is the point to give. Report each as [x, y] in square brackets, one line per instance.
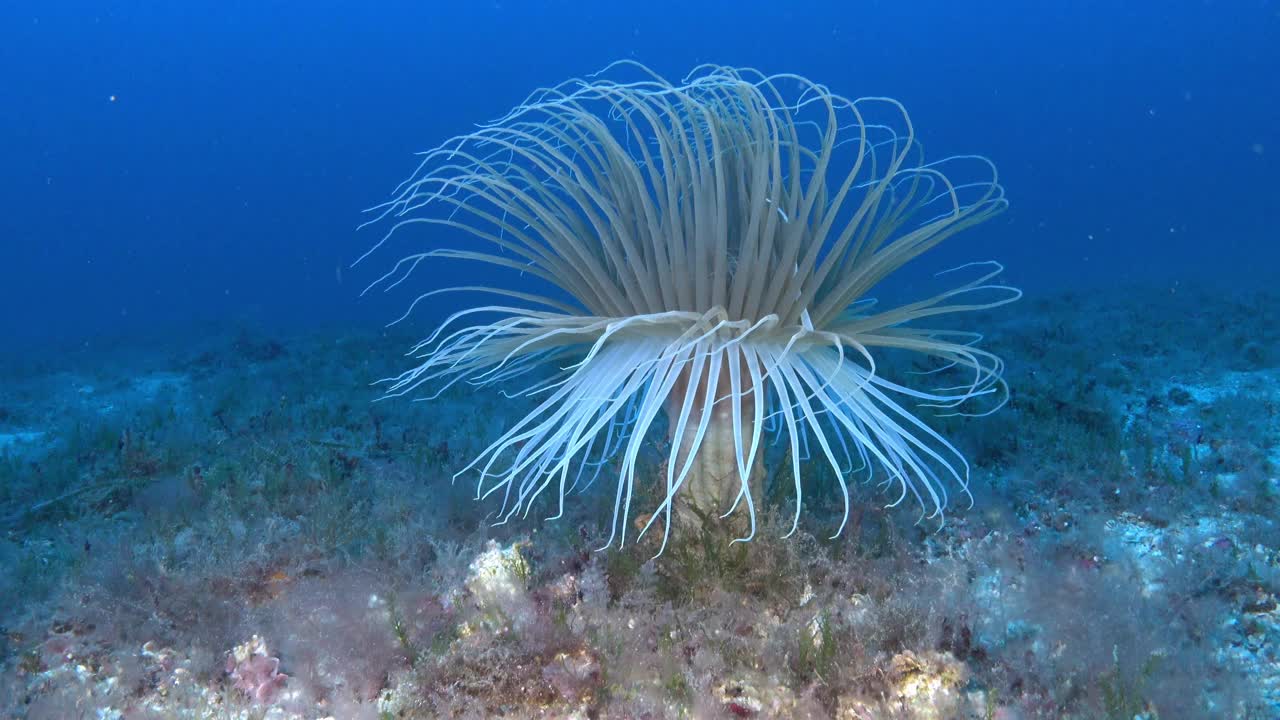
[726, 472]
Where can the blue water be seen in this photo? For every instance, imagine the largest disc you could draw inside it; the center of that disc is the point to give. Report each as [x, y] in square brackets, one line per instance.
[169, 165]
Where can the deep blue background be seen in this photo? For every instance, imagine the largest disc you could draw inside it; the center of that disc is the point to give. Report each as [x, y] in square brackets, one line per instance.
[1139, 141]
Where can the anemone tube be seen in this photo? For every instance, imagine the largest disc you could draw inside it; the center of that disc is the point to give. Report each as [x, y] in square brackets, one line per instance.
[705, 252]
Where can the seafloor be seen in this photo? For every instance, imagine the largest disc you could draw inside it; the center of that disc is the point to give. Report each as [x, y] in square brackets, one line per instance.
[231, 529]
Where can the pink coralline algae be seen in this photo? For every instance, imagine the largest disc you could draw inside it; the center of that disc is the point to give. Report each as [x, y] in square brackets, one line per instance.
[255, 672]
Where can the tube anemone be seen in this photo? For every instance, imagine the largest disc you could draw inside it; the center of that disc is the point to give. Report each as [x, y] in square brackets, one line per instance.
[706, 250]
